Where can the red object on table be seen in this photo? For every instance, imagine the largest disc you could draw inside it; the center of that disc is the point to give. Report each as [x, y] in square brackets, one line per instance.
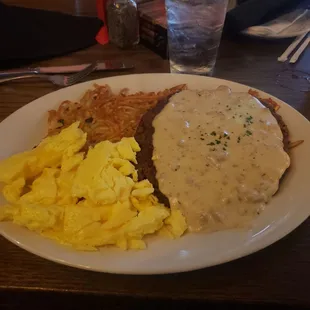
[102, 36]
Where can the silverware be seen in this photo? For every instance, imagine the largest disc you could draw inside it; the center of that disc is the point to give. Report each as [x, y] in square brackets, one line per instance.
[302, 41]
[57, 79]
[109, 65]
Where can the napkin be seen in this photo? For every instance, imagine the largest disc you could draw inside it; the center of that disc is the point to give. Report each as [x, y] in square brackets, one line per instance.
[254, 12]
[299, 19]
[31, 34]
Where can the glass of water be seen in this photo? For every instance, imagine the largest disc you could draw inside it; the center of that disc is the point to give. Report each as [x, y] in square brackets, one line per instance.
[194, 34]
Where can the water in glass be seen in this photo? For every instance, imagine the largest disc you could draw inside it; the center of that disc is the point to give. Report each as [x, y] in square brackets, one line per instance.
[194, 33]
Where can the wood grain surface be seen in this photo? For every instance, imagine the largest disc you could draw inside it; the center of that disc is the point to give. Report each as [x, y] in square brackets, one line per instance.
[277, 276]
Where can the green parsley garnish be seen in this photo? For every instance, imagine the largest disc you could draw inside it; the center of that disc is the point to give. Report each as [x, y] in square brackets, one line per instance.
[249, 119]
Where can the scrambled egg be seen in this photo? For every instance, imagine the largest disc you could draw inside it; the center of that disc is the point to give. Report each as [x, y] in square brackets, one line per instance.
[84, 200]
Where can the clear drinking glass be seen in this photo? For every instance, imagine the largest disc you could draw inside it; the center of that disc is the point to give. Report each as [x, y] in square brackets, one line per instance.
[194, 34]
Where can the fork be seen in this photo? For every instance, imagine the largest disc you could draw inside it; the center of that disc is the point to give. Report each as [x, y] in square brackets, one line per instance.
[58, 79]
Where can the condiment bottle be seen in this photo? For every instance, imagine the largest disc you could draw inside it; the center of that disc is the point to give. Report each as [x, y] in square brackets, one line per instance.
[123, 22]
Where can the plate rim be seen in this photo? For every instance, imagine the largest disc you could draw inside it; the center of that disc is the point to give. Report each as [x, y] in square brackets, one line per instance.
[265, 242]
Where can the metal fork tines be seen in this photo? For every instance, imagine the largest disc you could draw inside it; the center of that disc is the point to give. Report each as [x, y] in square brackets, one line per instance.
[61, 80]
[79, 76]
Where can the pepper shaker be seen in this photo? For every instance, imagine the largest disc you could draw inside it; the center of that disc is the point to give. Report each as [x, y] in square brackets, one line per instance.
[123, 22]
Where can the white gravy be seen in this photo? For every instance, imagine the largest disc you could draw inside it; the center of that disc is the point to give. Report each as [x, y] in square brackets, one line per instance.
[219, 157]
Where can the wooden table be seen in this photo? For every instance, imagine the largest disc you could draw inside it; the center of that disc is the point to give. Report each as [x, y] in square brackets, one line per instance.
[277, 276]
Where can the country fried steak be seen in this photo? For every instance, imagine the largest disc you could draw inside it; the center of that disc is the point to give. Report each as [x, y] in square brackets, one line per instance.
[144, 136]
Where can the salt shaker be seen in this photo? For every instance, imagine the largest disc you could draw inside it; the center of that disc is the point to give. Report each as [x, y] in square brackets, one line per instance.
[123, 22]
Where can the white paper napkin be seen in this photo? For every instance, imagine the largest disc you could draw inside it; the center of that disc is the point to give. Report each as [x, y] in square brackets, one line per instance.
[297, 21]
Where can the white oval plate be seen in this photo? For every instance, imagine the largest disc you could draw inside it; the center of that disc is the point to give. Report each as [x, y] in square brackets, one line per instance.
[288, 209]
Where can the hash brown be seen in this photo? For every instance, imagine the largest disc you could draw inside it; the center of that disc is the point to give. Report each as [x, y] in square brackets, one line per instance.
[105, 115]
